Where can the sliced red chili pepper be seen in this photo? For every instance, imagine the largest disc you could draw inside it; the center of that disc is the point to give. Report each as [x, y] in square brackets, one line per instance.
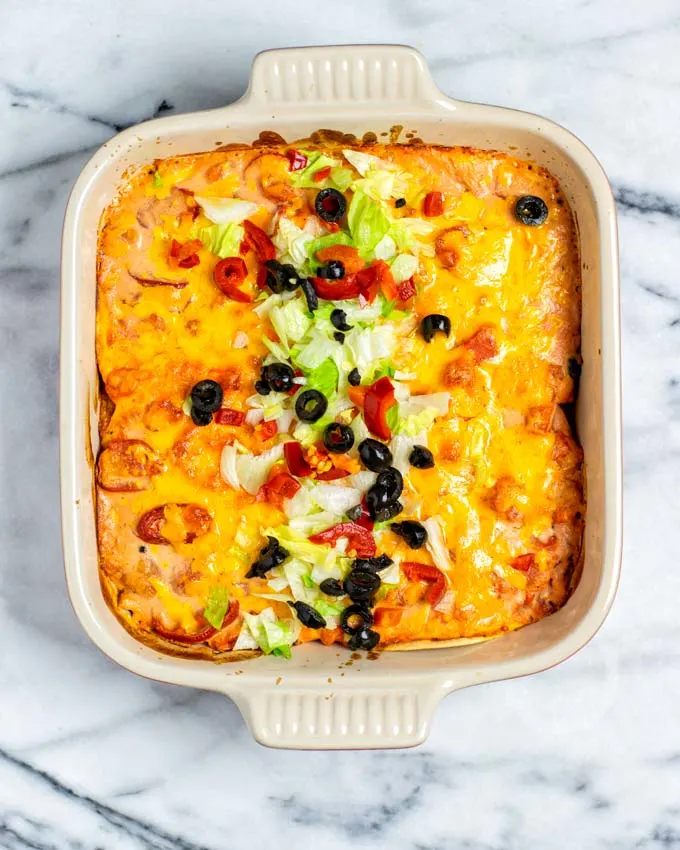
[243, 248]
[266, 430]
[428, 574]
[433, 204]
[228, 416]
[180, 636]
[336, 290]
[378, 400]
[232, 613]
[320, 175]
[360, 539]
[281, 486]
[295, 458]
[297, 160]
[406, 289]
[523, 562]
[258, 240]
[228, 275]
[332, 474]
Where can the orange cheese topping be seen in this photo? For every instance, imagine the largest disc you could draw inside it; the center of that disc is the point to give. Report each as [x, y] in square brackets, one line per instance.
[507, 483]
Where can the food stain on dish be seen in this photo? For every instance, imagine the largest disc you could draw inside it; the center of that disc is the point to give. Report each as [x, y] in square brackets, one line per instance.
[332, 409]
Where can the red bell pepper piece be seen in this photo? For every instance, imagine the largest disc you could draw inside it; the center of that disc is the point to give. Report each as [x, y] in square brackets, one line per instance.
[360, 539]
[228, 416]
[332, 474]
[320, 175]
[336, 290]
[433, 204]
[430, 575]
[266, 430]
[229, 274]
[377, 401]
[281, 486]
[295, 458]
[406, 289]
[296, 160]
[365, 520]
[258, 240]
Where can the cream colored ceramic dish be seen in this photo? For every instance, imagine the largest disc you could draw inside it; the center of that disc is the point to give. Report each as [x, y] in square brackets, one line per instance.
[325, 699]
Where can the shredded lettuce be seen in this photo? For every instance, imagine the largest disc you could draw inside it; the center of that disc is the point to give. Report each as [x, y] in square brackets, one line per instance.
[341, 178]
[436, 543]
[403, 267]
[225, 210]
[296, 571]
[282, 652]
[216, 606]
[319, 348]
[246, 470]
[328, 610]
[290, 320]
[291, 244]
[386, 248]
[324, 378]
[267, 633]
[280, 352]
[363, 162]
[366, 346]
[223, 240]
[367, 223]
[392, 417]
[157, 180]
[417, 422]
[316, 160]
[336, 498]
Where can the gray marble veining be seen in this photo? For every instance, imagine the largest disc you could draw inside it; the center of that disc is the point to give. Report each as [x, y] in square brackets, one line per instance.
[586, 755]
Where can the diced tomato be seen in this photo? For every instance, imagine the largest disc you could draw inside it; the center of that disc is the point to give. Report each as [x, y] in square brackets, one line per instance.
[332, 474]
[346, 254]
[228, 416]
[281, 486]
[320, 175]
[297, 160]
[378, 400]
[430, 575]
[184, 256]
[406, 289]
[523, 563]
[433, 204]
[387, 285]
[229, 274]
[266, 430]
[360, 539]
[258, 240]
[295, 458]
[243, 248]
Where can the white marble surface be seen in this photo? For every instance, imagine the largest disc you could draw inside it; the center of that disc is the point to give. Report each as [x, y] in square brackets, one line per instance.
[585, 756]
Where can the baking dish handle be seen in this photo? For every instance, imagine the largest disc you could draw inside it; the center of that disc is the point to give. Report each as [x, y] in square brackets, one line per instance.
[375, 74]
[339, 718]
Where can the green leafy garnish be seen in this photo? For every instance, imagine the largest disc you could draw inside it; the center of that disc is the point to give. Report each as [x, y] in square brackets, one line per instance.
[392, 417]
[282, 652]
[223, 240]
[307, 581]
[324, 378]
[157, 180]
[367, 224]
[342, 178]
[216, 606]
[327, 609]
[304, 178]
[387, 309]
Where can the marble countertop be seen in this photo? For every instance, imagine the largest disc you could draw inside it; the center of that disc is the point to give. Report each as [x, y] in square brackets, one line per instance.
[586, 755]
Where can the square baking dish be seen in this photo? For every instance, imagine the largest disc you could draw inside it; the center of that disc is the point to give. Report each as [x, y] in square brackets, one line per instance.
[319, 700]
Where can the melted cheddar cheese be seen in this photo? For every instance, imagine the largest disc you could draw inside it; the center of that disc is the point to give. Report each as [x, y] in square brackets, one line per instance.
[503, 504]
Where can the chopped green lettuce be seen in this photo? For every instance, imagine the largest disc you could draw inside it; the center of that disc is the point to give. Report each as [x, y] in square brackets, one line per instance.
[157, 180]
[367, 223]
[403, 267]
[282, 652]
[316, 160]
[341, 178]
[324, 378]
[216, 606]
[291, 244]
[223, 240]
[290, 320]
[392, 417]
